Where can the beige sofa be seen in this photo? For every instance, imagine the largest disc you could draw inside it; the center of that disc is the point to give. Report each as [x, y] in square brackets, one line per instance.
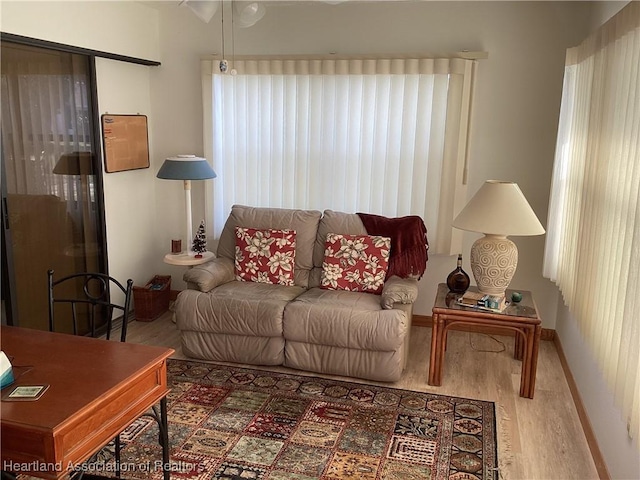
[302, 326]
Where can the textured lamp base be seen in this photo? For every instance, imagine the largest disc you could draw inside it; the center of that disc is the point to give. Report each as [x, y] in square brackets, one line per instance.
[494, 259]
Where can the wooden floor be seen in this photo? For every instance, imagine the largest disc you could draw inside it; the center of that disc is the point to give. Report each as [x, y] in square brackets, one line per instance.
[537, 439]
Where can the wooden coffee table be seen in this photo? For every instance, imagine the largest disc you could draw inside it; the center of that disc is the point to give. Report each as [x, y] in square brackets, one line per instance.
[97, 389]
[520, 318]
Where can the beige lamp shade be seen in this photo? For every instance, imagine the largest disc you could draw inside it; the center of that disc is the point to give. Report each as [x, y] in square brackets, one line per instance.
[498, 209]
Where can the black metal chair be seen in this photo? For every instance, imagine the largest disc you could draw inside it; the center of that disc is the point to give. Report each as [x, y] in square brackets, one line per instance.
[94, 303]
[91, 293]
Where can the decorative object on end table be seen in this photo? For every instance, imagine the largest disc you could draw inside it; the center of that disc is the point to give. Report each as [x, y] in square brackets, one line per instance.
[498, 209]
[458, 280]
[152, 300]
[199, 245]
[483, 301]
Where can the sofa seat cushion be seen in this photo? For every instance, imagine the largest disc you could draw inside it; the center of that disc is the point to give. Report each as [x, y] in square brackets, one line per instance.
[344, 319]
[233, 348]
[348, 362]
[235, 308]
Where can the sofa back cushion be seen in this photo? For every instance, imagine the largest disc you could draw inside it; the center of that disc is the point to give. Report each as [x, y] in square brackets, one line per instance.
[304, 222]
[332, 222]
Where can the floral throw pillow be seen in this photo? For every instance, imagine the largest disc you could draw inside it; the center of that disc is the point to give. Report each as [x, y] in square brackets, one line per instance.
[355, 262]
[265, 256]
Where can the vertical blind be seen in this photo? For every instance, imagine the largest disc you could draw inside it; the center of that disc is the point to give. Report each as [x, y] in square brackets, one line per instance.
[385, 136]
[593, 241]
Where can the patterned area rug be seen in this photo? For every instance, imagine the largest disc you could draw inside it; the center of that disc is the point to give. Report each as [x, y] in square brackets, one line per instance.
[236, 423]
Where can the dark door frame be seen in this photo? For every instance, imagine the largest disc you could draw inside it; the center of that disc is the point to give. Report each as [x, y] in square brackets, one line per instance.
[96, 149]
[9, 299]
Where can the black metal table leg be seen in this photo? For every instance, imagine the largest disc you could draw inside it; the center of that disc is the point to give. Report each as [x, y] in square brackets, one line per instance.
[117, 455]
[164, 432]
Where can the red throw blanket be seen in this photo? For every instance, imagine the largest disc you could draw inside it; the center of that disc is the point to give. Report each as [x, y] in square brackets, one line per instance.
[409, 242]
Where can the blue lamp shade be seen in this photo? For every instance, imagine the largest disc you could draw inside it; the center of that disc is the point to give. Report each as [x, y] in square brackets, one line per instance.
[186, 167]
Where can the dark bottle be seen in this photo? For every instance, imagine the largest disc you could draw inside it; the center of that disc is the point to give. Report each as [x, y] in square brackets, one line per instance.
[458, 280]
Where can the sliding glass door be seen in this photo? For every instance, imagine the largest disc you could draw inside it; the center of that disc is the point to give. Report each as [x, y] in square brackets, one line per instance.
[51, 188]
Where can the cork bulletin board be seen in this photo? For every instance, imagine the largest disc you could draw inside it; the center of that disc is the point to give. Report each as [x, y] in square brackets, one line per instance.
[126, 142]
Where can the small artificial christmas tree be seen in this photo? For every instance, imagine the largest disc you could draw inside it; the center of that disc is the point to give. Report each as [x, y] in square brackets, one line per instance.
[200, 241]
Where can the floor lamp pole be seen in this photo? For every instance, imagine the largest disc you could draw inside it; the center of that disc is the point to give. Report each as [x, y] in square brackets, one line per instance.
[187, 198]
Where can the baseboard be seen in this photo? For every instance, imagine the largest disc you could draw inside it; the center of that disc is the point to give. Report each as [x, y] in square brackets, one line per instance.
[548, 334]
[421, 321]
[596, 454]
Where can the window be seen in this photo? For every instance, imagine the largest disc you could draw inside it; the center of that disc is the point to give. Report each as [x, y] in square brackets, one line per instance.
[378, 136]
[593, 241]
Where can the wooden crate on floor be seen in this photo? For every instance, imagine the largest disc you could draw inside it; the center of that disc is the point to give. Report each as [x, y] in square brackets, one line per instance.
[152, 300]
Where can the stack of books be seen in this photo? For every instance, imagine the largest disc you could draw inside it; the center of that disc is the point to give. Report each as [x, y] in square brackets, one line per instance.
[481, 301]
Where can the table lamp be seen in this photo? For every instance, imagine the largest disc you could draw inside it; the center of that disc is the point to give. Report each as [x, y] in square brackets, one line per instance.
[498, 209]
[186, 168]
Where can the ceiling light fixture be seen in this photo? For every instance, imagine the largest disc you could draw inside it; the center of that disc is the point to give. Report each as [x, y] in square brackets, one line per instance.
[248, 13]
[204, 9]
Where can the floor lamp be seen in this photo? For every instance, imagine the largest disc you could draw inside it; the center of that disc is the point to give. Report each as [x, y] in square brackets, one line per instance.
[186, 168]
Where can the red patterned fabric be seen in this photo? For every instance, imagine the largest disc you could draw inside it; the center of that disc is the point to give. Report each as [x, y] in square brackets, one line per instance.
[355, 262]
[265, 256]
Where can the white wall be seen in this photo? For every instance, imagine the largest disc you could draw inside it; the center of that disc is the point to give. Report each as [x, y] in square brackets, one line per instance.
[130, 197]
[621, 453]
[517, 95]
[125, 28]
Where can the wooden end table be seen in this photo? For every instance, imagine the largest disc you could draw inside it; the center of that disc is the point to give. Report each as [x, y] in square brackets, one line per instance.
[521, 318]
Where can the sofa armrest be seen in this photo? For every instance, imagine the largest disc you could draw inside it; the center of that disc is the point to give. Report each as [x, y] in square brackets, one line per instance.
[210, 275]
[398, 290]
